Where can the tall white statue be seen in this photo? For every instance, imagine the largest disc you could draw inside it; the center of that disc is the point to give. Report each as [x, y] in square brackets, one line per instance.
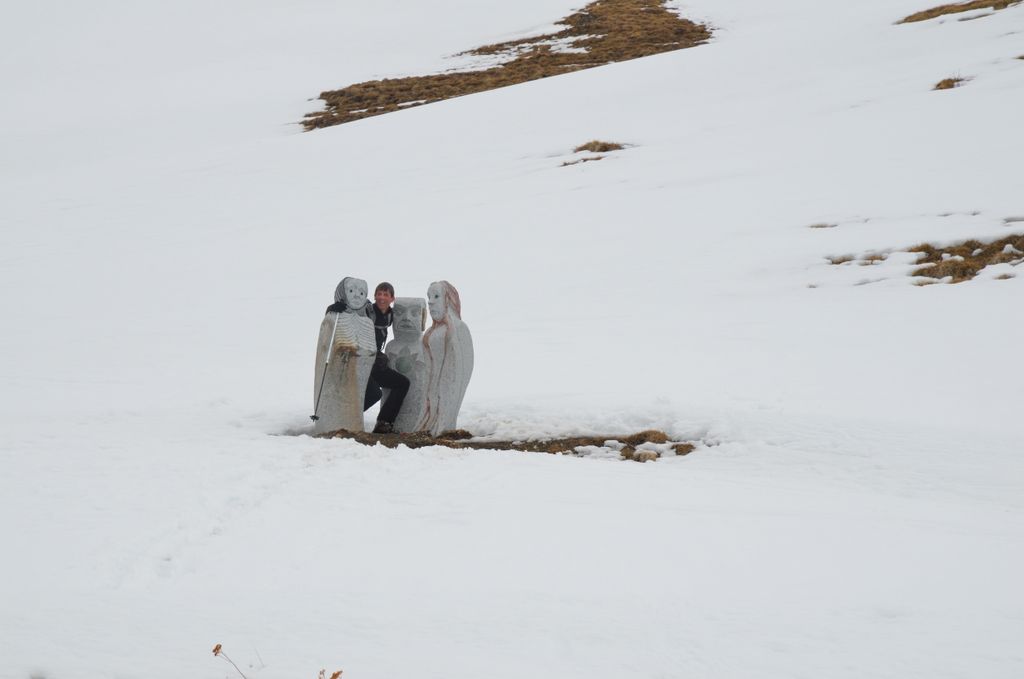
[345, 352]
[406, 355]
[448, 346]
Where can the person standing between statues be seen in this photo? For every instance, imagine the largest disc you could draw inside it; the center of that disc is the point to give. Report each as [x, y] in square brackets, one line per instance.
[382, 375]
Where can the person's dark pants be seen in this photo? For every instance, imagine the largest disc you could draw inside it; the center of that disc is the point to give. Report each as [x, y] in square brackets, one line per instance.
[383, 376]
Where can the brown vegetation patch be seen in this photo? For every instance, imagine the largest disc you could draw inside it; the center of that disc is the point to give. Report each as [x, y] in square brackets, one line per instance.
[596, 146]
[593, 146]
[460, 439]
[581, 160]
[963, 261]
[956, 8]
[603, 32]
[948, 83]
[629, 453]
[684, 448]
[840, 259]
[646, 436]
[869, 259]
[872, 258]
[822, 225]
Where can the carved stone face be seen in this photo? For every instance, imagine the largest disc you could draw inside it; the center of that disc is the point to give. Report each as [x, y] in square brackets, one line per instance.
[355, 293]
[408, 318]
[436, 301]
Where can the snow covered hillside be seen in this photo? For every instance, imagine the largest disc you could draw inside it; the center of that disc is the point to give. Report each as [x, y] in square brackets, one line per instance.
[169, 239]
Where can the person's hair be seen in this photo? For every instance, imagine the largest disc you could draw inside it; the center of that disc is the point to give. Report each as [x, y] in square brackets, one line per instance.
[386, 287]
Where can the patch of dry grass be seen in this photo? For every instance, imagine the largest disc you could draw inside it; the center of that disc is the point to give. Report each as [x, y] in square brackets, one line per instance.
[956, 8]
[840, 259]
[869, 259]
[684, 448]
[581, 160]
[596, 146]
[822, 225]
[603, 32]
[872, 258]
[459, 439]
[963, 261]
[948, 83]
[593, 146]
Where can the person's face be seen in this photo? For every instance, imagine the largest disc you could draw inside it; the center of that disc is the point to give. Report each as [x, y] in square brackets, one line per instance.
[355, 294]
[383, 299]
[435, 301]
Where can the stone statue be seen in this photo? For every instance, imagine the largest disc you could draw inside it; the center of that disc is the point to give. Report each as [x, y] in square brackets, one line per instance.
[406, 355]
[345, 352]
[448, 347]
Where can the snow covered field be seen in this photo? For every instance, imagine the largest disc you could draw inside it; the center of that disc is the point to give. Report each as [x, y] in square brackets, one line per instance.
[169, 239]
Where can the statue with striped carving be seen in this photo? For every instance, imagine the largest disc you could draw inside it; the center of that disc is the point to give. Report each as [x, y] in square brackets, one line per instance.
[345, 353]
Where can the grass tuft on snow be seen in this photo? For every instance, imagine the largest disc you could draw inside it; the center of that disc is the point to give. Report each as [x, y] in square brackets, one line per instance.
[595, 146]
[948, 83]
[956, 8]
[963, 261]
[840, 259]
[586, 159]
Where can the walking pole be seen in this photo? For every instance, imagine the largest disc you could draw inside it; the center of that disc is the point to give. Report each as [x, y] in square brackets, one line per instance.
[323, 376]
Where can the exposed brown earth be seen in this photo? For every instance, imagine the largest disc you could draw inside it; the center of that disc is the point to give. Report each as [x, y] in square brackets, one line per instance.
[459, 439]
[956, 8]
[963, 261]
[601, 33]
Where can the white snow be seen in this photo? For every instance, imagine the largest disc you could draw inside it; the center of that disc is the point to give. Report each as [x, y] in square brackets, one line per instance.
[169, 239]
